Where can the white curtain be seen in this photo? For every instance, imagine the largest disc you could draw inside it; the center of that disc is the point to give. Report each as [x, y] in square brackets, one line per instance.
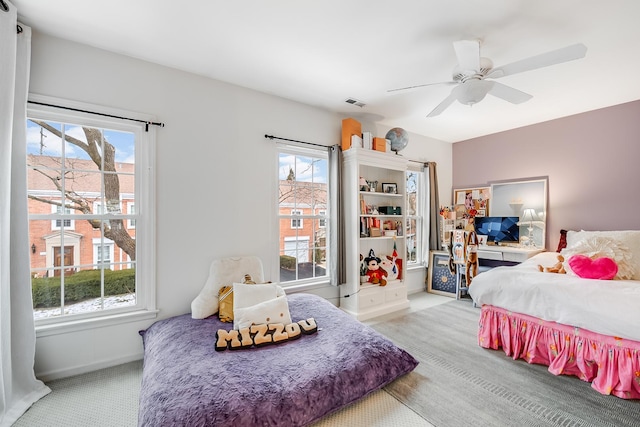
[19, 388]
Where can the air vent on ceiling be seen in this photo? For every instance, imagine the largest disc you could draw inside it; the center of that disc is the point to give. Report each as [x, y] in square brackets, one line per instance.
[355, 102]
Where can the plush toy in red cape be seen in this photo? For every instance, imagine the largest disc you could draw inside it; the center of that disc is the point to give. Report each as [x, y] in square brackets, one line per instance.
[375, 274]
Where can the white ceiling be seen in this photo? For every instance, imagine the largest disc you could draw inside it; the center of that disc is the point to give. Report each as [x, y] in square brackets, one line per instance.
[323, 52]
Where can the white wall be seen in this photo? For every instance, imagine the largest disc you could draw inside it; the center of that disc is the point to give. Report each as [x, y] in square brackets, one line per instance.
[215, 177]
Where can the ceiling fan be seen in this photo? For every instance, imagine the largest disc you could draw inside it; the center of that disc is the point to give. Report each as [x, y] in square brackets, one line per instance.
[474, 75]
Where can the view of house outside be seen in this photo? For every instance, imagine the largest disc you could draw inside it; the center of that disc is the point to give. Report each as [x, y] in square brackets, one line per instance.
[302, 208]
[81, 205]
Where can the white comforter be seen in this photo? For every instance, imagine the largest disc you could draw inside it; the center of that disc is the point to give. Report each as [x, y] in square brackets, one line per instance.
[609, 307]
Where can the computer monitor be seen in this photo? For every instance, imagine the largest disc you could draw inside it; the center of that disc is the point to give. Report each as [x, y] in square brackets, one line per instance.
[498, 229]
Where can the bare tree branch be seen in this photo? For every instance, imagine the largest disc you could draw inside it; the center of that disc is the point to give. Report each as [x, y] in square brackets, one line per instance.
[102, 153]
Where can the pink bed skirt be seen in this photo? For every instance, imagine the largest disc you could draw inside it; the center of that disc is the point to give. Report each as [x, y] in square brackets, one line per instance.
[611, 364]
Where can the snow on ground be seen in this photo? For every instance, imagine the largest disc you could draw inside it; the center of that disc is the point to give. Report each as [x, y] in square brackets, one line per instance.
[88, 306]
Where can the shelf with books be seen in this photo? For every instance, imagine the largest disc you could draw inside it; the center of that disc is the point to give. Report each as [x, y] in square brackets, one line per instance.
[375, 193]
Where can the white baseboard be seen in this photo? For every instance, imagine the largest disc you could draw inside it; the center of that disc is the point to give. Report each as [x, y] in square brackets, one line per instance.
[83, 369]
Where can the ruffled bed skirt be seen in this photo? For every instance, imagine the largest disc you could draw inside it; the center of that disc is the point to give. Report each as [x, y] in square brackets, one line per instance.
[611, 364]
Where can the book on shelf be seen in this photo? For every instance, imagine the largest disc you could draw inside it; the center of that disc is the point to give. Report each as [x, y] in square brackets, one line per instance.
[367, 140]
[356, 141]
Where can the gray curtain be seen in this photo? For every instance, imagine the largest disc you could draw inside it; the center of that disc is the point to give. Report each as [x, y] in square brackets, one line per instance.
[19, 388]
[432, 220]
[337, 264]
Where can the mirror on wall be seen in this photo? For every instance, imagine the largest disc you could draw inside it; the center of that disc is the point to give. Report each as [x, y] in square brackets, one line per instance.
[527, 199]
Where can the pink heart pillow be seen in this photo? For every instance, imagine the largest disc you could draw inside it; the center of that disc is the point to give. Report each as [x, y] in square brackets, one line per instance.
[600, 268]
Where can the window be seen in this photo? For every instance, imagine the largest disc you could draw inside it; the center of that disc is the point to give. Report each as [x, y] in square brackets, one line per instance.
[131, 211]
[322, 221]
[303, 215]
[414, 218]
[81, 170]
[296, 221]
[103, 253]
[56, 224]
[98, 208]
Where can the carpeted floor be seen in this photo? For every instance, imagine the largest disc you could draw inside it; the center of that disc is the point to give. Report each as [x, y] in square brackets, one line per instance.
[461, 384]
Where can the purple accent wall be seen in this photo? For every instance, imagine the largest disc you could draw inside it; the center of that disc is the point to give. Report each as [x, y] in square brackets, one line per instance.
[592, 161]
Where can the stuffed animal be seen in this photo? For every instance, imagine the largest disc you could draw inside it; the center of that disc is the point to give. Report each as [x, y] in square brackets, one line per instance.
[363, 270]
[471, 249]
[389, 265]
[375, 274]
[556, 268]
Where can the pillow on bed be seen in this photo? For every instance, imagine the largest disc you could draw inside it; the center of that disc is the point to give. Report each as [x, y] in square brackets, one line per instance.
[629, 238]
[222, 272]
[247, 295]
[599, 268]
[275, 310]
[225, 300]
[598, 246]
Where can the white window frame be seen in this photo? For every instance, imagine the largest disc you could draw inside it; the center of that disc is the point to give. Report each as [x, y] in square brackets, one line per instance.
[105, 243]
[55, 209]
[131, 210]
[98, 208]
[418, 216]
[145, 190]
[322, 222]
[303, 151]
[296, 223]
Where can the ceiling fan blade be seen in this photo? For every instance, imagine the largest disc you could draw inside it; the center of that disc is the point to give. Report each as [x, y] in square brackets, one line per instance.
[468, 54]
[509, 94]
[444, 104]
[558, 56]
[419, 86]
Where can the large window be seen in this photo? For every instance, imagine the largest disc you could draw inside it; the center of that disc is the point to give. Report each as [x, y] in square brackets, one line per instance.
[415, 213]
[303, 215]
[87, 260]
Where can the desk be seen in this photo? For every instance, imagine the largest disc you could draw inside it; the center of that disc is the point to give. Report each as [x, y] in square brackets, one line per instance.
[506, 255]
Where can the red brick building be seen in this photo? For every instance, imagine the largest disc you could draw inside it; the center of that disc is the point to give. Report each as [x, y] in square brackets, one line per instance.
[300, 233]
[75, 243]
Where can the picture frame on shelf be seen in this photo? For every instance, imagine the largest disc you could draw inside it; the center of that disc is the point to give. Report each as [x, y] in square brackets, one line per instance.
[440, 280]
[389, 188]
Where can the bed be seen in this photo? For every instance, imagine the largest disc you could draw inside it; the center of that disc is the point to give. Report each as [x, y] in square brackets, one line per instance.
[588, 328]
[186, 382]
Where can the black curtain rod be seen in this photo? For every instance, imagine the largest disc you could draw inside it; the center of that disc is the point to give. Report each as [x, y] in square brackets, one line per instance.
[320, 145]
[295, 140]
[146, 123]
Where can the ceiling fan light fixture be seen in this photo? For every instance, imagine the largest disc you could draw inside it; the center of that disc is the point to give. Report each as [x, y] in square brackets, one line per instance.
[473, 91]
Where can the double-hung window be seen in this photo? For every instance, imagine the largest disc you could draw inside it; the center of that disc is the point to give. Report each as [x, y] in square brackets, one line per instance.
[303, 214]
[415, 215]
[87, 260]
[56, 224]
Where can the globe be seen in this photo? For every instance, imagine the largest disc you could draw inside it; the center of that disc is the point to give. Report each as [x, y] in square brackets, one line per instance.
[399, 139]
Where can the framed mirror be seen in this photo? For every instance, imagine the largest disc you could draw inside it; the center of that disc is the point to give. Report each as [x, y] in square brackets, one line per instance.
[527, 199]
